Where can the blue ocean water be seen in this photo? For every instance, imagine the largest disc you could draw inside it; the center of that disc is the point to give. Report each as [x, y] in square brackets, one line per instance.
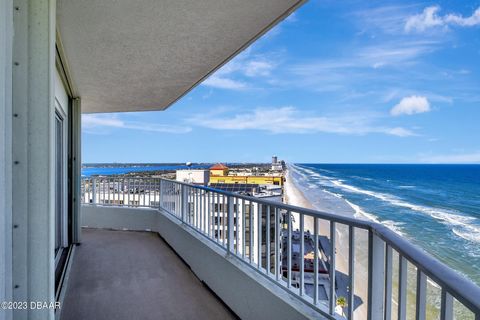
[108, 171]
[437, 207]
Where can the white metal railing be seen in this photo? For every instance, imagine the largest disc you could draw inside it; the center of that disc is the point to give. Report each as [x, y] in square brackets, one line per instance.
[400, 280]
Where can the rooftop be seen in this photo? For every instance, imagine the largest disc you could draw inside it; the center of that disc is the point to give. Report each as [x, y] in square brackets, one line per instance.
[218, 166]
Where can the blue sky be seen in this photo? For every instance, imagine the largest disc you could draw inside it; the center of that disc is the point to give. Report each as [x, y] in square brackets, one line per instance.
[336, 82]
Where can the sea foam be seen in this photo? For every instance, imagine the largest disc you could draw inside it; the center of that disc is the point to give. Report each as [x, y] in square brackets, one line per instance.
[465, 227]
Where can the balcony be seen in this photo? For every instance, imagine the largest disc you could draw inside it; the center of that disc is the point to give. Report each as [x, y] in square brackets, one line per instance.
[223, 238]
[134, 275]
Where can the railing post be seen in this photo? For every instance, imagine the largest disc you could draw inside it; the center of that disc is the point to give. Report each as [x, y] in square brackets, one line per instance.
[160, 195]
[376, 277]
[446, 309]
[332, 268]
[388, 281]
[402, 288]
[94, 191]
[230, 227]
[351, 271]
[421, 295]
[184, 202]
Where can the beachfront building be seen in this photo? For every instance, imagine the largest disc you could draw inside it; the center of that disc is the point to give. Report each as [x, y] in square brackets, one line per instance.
[62, 58]
[219, 173]
[218, 170]
[277, 165]
[194, 176]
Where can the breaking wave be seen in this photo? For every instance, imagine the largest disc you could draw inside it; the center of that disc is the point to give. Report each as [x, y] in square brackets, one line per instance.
[465, 227]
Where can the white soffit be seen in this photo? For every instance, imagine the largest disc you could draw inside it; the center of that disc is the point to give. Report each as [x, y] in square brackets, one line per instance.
[126, 55]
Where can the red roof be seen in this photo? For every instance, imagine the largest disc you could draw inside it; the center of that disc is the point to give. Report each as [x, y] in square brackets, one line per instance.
[218, 166]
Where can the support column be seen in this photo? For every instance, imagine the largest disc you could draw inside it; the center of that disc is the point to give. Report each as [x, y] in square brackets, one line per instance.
[6, 35]
[33, 155]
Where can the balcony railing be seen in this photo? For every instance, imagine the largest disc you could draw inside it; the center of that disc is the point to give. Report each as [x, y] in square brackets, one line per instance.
[400, 279]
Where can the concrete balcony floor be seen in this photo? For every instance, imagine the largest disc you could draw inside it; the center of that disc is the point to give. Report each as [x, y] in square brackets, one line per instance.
[134, 275]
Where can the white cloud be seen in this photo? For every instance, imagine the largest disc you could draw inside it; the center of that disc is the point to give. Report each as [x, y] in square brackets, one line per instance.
[411, 105]
[388, 19]
[473, 157]
[400, 132]
[430, 18]
[216, 81]
[258, 68]
[394, 54]
[290, 120]
[235, 74]
[427, 19]
[471, 21]
[97, 123]
[93, 120]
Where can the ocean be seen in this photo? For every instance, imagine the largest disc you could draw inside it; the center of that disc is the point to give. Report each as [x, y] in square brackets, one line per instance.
[437, 207]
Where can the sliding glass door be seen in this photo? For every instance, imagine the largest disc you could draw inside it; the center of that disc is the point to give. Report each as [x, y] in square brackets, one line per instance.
[62, 208]
[59, 190]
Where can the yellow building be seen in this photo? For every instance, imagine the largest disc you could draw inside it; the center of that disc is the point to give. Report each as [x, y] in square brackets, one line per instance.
[219, 174]
[218, 170]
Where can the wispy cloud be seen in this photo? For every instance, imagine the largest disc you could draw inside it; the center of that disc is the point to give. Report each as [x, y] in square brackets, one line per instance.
[388, 19]
[238, 73]
[396, 53]
[411, 105]
[254, 68]
[369, 57]
[98, 123]
[473, 157]
[370, 70]
[430, 19]
[217, 81]
[473, 20]
[290, 120]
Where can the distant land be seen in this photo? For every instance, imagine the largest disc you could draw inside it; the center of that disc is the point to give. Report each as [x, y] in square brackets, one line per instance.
[126, 165]
[151, 169]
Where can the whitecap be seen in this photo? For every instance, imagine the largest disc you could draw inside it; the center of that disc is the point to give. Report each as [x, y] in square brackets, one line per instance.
[337, 195]
[360, 213]
[465, 227]
[470, 235]
[363, 178]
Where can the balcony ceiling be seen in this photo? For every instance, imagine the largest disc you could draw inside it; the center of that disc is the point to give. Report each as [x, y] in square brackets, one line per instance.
[143, 55]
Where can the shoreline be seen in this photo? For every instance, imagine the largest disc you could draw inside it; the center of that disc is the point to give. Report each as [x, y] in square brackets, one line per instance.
[293, 195]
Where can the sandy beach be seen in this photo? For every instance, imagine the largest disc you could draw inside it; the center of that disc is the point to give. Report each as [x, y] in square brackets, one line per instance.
[294, 196]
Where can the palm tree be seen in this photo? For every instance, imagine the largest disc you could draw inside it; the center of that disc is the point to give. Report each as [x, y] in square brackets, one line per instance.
[342, 302]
